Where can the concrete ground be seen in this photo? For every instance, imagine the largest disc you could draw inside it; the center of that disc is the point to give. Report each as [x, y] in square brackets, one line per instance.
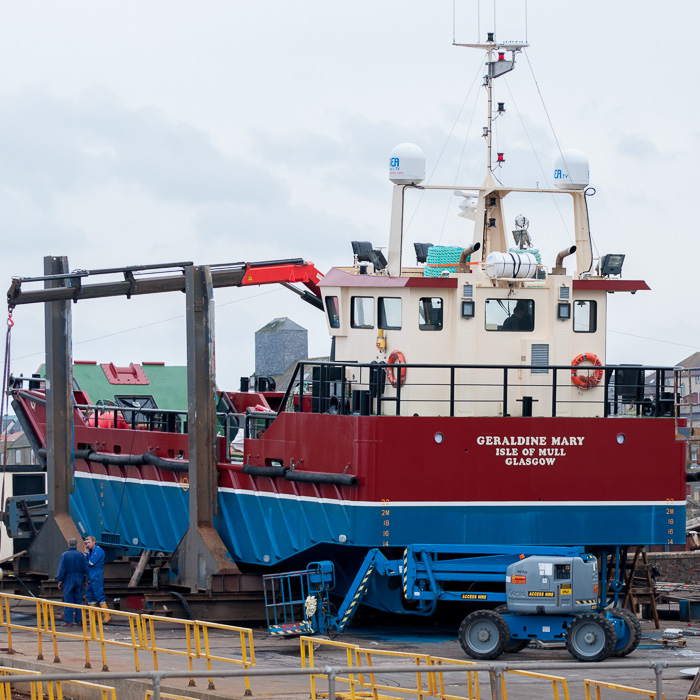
[274, 653]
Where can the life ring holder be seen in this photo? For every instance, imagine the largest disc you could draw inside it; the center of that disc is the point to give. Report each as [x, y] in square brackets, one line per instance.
[395, 377]
[589, 380]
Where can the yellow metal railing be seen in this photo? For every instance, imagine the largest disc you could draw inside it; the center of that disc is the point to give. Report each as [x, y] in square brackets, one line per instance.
[307, 661]
[556, 681]
[167, 696]
[429, 678]
[54, 688]
[245, 639]
[597, 685]
[142, 631]
[48, 625]
[371, 682]
[440, 689]
[150, 643]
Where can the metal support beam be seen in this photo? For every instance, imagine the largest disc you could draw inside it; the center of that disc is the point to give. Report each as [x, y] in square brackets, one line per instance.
[52, 539]
[201, 553]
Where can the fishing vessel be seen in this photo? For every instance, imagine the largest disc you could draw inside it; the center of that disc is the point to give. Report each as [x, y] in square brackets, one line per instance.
[466, 401]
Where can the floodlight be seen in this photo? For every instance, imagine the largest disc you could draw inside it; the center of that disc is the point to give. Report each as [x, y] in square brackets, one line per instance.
[422, 251]
[376, 257]
[611, 264]
[361, 250]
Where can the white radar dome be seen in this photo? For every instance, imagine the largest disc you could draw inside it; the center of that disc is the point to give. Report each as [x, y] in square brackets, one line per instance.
[407, 165]
[571, 170]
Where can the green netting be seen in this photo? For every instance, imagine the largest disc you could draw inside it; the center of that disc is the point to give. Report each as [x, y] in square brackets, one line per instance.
[441, 259]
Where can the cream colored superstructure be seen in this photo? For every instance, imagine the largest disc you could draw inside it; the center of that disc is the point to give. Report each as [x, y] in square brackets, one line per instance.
[569, 306]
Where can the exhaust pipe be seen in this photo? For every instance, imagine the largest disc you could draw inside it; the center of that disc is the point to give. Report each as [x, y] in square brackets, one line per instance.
[462, 266]
[559, 268]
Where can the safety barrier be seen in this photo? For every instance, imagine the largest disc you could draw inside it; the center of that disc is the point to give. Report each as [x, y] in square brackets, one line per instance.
[142, 633]
[655, 666]
[150, 643]
[439, 686]
[370, 681]
[165, 696]
[48, 611]
[597, 685]
[555, 680]
[54, 689]
[197, 644]
[360, 684]
[245, 636]
[308, 661]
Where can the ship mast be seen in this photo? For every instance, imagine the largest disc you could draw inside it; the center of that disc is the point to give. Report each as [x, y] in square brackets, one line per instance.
[489, 211]
[496, 68]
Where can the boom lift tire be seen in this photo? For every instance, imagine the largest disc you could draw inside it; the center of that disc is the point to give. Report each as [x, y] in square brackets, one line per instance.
[514, 645]
[633, 632]
[484, 635]
[590, 637]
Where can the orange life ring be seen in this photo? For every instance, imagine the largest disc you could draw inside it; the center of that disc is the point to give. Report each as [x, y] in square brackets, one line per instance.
[588, 380]
[396, 357]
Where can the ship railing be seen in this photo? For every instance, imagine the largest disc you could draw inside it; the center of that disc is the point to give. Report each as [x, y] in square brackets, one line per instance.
[154, 419]
[484, 390]
[688, 412]
[105, 415]
[117, 415]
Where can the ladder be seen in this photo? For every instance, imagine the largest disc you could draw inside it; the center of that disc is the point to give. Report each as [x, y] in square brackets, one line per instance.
[638, 585]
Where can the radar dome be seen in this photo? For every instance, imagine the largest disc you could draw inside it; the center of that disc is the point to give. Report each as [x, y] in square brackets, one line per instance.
[407, 165]
[571, 170]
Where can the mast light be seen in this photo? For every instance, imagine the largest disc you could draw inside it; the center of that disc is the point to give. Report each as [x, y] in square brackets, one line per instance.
[501, 158]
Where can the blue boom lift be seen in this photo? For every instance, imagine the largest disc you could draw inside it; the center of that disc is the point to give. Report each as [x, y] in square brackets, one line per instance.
[549, 594]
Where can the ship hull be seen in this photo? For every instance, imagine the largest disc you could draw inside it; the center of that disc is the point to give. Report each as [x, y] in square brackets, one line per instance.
[263, 529]
[524, 481]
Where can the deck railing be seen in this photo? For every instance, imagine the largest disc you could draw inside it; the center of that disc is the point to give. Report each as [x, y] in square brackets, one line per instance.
[449, 390]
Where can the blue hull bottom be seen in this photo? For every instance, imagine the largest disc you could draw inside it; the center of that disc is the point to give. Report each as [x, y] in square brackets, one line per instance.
[263, 529]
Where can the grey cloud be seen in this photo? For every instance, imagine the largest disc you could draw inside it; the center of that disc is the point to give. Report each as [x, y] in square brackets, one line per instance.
[636, 146]
[238, 233]
[53, 145]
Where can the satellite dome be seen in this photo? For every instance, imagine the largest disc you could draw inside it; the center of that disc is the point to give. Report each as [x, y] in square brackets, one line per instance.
[407, 165]
[571, 170]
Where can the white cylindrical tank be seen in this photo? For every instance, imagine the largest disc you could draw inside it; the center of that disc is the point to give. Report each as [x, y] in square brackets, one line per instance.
[571, 171]
[523, 265]
[407, 164]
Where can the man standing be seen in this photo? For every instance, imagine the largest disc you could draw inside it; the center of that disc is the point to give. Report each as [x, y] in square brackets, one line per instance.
[72, 577]
[95, 557]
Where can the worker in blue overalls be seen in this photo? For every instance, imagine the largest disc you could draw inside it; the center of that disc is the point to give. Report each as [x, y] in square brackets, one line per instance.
[95, 557]
[72, 579]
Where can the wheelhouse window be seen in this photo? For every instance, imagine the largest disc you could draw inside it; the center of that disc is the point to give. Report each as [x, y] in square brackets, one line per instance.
[510, 315]
[362, 312]
[430, 314]
[585, 316]
[333, 312]
[390, 313]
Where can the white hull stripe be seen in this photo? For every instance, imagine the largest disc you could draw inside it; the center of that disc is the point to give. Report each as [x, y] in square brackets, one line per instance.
[394, 504]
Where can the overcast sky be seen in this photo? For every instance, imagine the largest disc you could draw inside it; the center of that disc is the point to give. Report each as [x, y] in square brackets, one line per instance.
[222, 131]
